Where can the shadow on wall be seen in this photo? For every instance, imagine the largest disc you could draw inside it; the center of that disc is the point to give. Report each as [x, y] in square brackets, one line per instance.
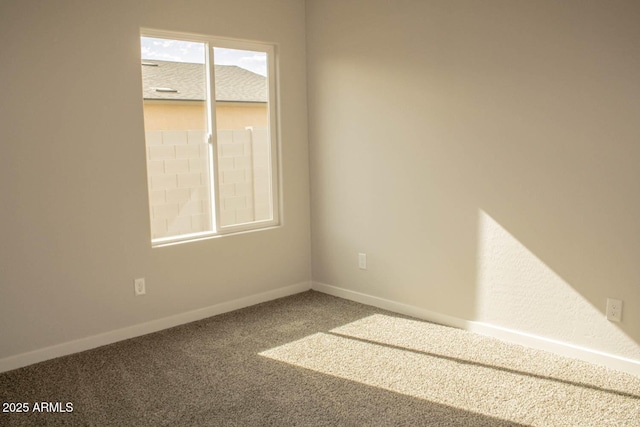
[524, 111]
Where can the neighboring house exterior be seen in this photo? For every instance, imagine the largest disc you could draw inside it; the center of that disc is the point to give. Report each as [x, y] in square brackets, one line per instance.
[174, 94]
[177, 150]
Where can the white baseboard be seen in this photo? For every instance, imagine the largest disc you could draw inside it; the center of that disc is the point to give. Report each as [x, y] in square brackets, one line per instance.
[82, 344]
[533, 341]
[396, 307]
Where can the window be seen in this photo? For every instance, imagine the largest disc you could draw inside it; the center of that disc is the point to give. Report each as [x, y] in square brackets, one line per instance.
[210, 131]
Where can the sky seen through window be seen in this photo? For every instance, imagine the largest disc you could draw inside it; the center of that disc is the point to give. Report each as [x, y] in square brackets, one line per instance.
[184, 51]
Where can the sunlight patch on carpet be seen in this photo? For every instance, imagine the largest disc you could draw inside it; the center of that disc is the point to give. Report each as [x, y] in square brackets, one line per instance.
[462, 370]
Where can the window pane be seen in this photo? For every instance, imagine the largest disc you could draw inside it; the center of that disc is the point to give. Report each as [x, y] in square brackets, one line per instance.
[244, 145]
[175, 118]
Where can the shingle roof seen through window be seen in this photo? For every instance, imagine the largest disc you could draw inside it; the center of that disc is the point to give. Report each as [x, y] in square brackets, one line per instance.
[186, 81]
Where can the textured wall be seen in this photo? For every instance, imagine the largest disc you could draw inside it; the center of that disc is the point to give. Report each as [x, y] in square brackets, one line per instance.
[75, 218]
[485, 156]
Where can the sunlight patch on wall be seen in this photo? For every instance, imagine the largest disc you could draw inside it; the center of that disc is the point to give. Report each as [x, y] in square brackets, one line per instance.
[517, 290]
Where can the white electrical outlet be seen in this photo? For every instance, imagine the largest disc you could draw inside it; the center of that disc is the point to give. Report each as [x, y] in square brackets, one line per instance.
[614, 310]
[139, 287]
[362, 261]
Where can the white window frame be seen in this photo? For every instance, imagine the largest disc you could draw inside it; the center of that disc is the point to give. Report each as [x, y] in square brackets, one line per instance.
[212, 42]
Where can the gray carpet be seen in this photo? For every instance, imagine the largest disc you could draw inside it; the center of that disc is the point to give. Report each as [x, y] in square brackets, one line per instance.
[312, 359]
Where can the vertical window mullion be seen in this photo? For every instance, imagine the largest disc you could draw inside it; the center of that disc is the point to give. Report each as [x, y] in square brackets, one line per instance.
[213, 138]
[273, 134]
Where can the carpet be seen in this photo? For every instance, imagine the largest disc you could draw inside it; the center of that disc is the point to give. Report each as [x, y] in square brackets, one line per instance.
[314, 360]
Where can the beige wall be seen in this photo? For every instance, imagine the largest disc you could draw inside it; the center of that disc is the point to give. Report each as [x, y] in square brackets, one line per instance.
[75, 218]
[181, 115]
[161, 115]
[505, 188]
[237, 116]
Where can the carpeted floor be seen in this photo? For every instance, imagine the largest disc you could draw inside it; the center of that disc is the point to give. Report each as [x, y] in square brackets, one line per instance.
[312, 359]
